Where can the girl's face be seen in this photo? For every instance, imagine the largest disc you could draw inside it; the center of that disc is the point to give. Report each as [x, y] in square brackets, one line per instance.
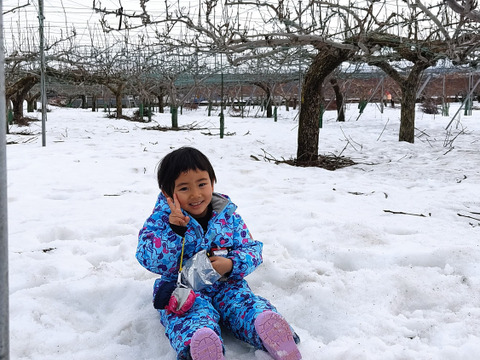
[194, 190]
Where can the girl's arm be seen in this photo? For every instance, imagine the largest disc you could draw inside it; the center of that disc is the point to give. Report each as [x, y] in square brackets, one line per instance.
[246, 254]
[159, 247]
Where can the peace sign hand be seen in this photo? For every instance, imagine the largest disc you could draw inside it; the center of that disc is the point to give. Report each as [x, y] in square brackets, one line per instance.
[176, 216]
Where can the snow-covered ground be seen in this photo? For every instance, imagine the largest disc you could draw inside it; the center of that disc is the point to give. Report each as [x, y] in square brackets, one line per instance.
[380, 260]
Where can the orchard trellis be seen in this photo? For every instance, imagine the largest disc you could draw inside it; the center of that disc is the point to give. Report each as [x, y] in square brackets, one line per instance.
[385, 36]
[402, 38]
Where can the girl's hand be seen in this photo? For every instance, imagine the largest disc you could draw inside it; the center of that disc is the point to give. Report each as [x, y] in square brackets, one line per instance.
[221, 264]
[176, 216]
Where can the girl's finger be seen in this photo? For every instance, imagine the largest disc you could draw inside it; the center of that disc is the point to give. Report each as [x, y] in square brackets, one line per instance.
[171, 204]
[175, 199]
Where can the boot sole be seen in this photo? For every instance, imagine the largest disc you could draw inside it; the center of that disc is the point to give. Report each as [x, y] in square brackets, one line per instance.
[206, 345]
[276, 336]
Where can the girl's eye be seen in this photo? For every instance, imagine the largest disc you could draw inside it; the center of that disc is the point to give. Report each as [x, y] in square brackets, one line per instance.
[202, 184]
[183, 189]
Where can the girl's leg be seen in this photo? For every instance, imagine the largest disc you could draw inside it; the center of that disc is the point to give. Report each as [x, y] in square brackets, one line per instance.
[181, 329]
[239, 307]
[255, 320]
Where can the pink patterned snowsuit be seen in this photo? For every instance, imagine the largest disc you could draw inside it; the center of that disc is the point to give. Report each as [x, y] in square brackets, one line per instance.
[230, 302]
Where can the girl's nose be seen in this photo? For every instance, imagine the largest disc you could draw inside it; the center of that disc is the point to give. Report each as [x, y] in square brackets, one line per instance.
[195, 193]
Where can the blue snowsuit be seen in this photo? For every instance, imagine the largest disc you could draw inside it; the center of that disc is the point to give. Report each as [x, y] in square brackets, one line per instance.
[230, 302]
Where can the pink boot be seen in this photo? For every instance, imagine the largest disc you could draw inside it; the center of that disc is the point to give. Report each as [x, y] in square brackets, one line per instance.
[276, 336]
[206, 345]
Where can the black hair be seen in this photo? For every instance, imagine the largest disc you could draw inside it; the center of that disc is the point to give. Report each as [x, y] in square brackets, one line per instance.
[179, 161]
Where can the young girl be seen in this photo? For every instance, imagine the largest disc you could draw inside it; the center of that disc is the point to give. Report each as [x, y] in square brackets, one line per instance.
[188, 218]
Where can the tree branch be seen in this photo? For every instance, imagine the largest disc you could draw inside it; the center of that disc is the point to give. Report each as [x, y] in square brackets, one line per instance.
[467, 10]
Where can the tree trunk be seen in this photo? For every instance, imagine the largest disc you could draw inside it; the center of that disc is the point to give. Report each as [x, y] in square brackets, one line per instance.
[409, 86]
[118, 100]
[17, 93]
[32, 101]
[94, 103]
[118, 92]
[31, 104]
[84, 101]
[339, 100]
[268, 102]
[161, 109]
[408, 102]
[17, 107]
[324, 63]
[407, 116]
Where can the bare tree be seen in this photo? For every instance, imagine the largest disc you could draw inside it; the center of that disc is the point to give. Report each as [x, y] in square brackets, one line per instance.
[402, 39]
[428, 36]
[22, 70]
[408, 76]
[218, 27]
[17, 92]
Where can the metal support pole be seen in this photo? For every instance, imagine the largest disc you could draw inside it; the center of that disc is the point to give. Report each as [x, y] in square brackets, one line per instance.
[382, 99]
[43, 91]
[300, 80]
[4, 303]
[469, 99]
[222, 117]
[174, 111]
[420, 90]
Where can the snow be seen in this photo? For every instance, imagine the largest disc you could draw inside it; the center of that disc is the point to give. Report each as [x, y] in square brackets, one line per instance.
[370, 261]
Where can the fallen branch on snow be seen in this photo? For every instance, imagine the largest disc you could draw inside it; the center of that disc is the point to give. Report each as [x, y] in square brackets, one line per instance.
[371, 193]
[328, 162]
[405, 213]
[468, 216]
